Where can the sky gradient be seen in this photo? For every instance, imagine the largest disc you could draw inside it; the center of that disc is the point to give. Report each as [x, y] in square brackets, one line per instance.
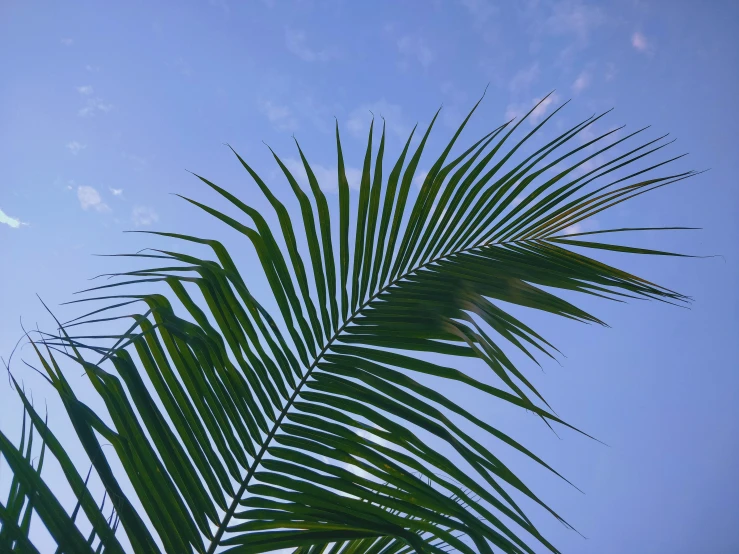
[102, 109]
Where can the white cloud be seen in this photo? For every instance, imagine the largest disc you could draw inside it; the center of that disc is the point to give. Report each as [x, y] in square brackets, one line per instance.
[295, 41]
[90, 199]
[581, 83]
[12, 222]
[67, 41]
[416, 48]
[94, 105]
[85, 89]
[420, 178]
[639, 42]
[116, 192]
[143, 216]
[573, 17]
[524, 78]
[373, 437]
[75, 147]
[327, 177]
[280, 116]
[480, 10]
[584, 226]
[359, 119]
[541, 109]
[519, 110]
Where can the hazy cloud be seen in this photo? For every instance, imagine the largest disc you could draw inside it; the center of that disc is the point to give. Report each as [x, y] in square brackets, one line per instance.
[420, 178]
[524, 78]
[639, 42]
[610, 71]
[584, 226]
[573, 17]
[85, 89]
[12, 222]
[359, 119]
[74, 147]
[280, 116]
[416, 48]
[138, 162]
[581, 83]
[116, 192]
[92, 68]
[519, 110]
[67, 41]
[327, 177]
[90, 199]
[295, 41]
[480, 10]
[183, 67]
[221, 4]
[542, 108]
[308, 108]
[94, 105]
[143, 216]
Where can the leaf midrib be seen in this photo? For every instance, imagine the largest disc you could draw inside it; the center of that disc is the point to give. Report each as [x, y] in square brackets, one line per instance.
[252, 469]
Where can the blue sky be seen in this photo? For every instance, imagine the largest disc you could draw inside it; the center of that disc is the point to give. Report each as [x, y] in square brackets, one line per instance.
[103, 108]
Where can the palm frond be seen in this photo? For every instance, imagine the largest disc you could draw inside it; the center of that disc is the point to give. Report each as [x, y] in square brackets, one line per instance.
[244, 431]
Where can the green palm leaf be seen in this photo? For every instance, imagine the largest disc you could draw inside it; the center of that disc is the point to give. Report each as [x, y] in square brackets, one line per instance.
[244, 431]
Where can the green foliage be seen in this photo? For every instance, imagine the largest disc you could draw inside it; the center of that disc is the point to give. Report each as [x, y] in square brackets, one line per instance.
[244, 431]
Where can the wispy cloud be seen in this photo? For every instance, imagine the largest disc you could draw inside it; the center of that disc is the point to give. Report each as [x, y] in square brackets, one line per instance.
[639, 42]
[480, 10]
[92, 68]
[143, 216]
[519, 110]
[116, 192]
[524, 78]
[573, 17]
[542, 108]
[327, 177]
[610, 71]
[359, 119]
[581, 83]
[296, 43]
[308, 108]
[420, 178]
[90, 199]
[12, 222]
[75, 147]
[183, 67]
[67, 41]
[584, 226]
[280, 116]
[94, 105]
[455, 100]
[138, 162]
[85, 89]
[415, 48]
[221, 4]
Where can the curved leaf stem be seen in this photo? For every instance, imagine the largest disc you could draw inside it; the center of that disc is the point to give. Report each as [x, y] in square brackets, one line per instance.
[247, 478]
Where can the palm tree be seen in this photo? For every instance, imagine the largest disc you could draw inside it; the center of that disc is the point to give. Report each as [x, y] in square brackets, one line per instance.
[239, 430]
